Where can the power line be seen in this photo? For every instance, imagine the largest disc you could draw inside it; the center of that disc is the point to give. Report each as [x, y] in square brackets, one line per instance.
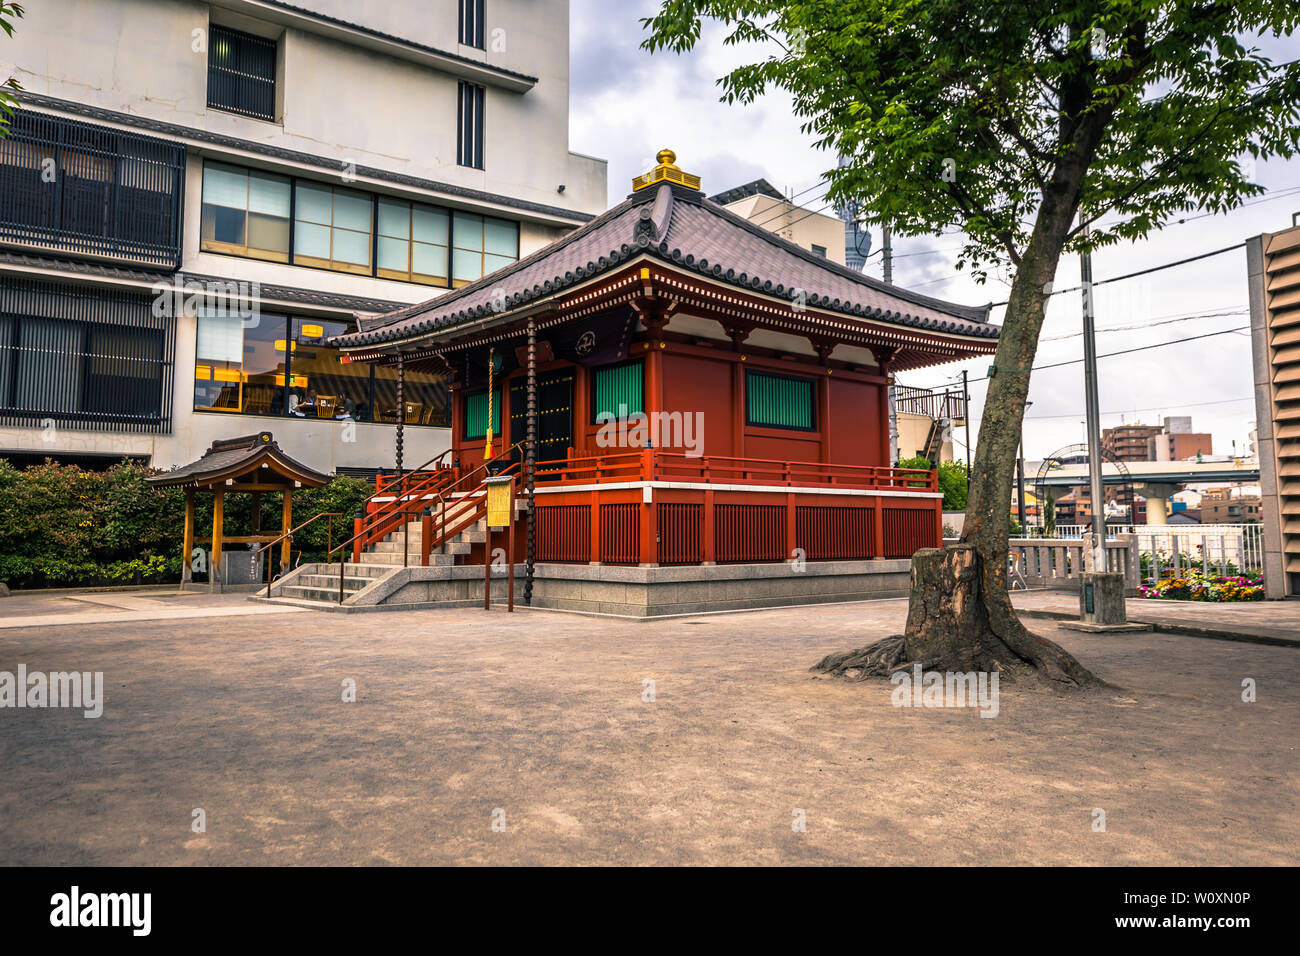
[1153, 408]
[1190, 317]
[1142, 272]
[1143, 348]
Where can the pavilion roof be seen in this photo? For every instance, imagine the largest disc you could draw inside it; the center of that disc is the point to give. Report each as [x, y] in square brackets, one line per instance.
[234, 457]
[678, 226]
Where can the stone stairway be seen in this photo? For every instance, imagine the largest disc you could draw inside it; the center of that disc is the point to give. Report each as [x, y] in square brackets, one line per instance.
[317, 584]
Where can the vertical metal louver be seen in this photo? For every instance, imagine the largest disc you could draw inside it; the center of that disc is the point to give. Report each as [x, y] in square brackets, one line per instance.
[779, 401]
[617, 391]
[241, 73]
[1274, 264]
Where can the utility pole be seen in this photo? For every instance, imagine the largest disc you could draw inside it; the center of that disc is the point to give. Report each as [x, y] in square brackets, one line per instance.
[965, 417]
[1094, 414]
[887, 251]
[1020, 479]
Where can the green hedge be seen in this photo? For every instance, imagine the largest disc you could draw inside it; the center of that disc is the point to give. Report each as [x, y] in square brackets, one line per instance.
[63, 526]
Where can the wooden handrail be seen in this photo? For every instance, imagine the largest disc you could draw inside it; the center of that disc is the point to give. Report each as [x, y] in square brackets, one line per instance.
[290, 533]
[398, 510]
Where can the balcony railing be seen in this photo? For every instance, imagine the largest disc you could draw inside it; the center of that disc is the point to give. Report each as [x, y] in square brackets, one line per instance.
[79, 188]
[655, 464]
[949, 404]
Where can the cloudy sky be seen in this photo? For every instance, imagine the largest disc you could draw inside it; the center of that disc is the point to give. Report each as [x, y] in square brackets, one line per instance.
[626, 104]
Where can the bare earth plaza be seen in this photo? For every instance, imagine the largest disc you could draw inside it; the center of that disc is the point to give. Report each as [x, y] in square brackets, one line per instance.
[543, 717]
[656, 435]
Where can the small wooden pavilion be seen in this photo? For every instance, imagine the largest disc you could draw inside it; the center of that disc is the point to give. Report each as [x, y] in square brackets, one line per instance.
[253, 464]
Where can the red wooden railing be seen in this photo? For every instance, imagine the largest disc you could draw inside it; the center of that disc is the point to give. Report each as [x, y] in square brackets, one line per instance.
[708, 517]
[658, 465]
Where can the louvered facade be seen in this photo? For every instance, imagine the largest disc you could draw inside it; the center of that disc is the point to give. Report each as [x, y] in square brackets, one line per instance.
[1274, 267]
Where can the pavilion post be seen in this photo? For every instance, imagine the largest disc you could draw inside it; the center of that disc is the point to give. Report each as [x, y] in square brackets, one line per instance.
[187, 571]
[530, 460]
[286, 552]
[218, 521]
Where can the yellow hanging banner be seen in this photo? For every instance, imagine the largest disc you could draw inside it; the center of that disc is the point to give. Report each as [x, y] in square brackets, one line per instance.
[500, 500]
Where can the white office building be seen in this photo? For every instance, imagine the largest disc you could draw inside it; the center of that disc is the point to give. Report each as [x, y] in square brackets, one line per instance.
[194, 197]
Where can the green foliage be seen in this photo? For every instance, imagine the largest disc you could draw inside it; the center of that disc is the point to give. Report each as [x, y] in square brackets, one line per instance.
[975, 113]
[9, 12]
[63, 526]
[953, 480]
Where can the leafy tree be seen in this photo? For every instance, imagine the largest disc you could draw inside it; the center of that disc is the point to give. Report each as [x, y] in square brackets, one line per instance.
[1037, 128]
[9, 12]
[953, 480]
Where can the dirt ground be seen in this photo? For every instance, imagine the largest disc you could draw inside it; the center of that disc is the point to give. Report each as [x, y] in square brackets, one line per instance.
[537, 720]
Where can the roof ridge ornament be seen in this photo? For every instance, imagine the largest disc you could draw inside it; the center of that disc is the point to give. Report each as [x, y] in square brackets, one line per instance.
[666, 171]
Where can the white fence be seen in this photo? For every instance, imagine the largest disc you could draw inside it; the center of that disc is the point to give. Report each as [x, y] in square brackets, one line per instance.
[1059, 562]
[1215, 548]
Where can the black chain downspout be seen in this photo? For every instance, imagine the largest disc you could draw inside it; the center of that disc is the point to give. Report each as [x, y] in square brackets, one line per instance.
[401, 414]
[530, 457]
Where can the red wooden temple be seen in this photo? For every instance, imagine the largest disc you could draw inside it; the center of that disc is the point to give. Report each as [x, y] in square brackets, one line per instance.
[675, 385]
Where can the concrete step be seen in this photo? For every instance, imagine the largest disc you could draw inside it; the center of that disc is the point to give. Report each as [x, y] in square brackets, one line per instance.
[303, 592]
[350, 582]
[393, 559]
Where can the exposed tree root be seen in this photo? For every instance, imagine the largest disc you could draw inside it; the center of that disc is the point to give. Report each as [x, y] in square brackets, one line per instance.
[960, 619]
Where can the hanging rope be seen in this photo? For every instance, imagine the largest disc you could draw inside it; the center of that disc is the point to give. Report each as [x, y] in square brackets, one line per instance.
[487, 444]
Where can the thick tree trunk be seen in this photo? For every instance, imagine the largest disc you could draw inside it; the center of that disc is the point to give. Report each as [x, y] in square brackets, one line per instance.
[960, 617]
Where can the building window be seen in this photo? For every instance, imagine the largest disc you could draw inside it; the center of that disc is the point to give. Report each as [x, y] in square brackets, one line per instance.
[819, 251]
[245, 212]
[481, 245]
[241, 73]
[616, 392]
[283, 366]
[413, 242]
[84, 358]
[332, 228]
[469, 126]
[476, 412]
[82, 188]
[471, 23]
[779, 401]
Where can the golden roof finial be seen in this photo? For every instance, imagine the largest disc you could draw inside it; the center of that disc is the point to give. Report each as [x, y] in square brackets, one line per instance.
[666, 171]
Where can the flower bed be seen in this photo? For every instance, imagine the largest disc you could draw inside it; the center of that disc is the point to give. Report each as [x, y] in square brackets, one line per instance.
[1195, 586]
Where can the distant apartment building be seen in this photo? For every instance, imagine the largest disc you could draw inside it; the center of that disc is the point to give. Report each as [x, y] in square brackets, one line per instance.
[1172, 441]
[762, 204]
[1230, 505]
[195, 197]
[1180, 446]
[1128, 442]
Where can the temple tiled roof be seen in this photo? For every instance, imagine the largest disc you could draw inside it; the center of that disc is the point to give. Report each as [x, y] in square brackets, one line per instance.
[682, 228]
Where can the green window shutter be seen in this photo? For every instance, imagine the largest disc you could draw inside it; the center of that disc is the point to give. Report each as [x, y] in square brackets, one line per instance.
[476, 406]
[779, 402]
[616, 387]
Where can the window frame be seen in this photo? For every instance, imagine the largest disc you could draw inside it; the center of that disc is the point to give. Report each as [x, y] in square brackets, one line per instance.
[288, 321]
[245, 251]
[374, 198]
[496, 414]
[262, 45]
[472, 26]
[470, 124]
[812, 401]
[596, 370]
